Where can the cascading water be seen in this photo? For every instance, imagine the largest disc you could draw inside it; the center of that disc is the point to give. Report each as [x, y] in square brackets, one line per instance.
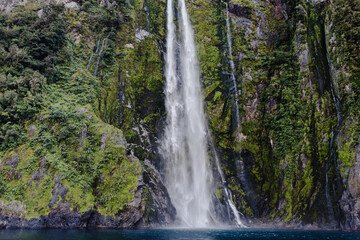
[228, 194]
[188, 177]
[232, 66]
[103, 47]
[237, 115]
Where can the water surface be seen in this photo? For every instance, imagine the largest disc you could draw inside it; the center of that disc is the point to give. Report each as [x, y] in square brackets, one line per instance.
[177, 234]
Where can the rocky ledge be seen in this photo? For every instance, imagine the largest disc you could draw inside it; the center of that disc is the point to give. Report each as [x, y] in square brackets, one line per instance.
[150, 207]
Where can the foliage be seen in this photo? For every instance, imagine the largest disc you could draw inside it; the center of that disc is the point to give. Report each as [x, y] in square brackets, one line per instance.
[70, 79]
[50, 119]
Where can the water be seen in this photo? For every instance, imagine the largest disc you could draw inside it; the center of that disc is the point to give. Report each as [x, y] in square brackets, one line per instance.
[237, 114]
[92, 54]
[228, 194]
[232, 66]
[177, 234]
[183, 147]
[103, 47]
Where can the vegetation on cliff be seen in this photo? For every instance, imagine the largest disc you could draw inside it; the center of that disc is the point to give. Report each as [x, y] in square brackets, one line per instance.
[60, 73]
[82, 94]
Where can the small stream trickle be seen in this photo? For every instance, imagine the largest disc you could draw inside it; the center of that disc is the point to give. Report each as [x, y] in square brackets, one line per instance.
[232, 67]
[228, 195]
[236, 118]
[102, 49]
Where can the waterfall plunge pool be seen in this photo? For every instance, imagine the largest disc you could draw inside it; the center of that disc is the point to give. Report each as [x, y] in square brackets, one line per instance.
[177, 234]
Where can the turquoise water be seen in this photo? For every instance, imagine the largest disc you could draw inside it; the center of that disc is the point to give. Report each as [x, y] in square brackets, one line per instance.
[176, 234]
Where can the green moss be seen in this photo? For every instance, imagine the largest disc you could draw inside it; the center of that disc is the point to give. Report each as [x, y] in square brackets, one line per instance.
[38, 198]
[118, 186]
[219, 193]
[245, 3]
[287, 120]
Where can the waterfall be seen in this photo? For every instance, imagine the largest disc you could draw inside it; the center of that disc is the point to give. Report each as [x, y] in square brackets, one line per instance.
[92, 54]
[228, 194]
[232, 66]
[237, 114]
[103, 47]
[188, 176]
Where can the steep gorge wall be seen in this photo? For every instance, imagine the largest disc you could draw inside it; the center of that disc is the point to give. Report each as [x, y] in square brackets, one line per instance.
[63, 72]
[292, 73]
[298, 151]
[292, 58]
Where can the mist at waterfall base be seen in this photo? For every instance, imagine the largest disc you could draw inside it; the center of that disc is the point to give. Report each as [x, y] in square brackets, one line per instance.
[177, 234]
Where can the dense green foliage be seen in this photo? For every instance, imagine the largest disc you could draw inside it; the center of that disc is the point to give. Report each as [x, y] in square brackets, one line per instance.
[76, 82]
[28, 48]
[55, 147]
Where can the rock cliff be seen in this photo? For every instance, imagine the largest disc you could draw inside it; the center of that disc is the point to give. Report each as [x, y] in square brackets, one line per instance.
[82, 110]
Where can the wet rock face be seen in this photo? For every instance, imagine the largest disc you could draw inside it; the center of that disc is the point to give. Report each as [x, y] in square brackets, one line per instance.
[58, 191]
[158, 207]
[351, 197]
[59, 217]
[239, 11]
[150, 207]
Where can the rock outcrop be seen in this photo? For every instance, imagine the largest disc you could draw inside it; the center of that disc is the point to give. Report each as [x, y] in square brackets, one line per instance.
[350, 200]
[150, 207]
[8, 5]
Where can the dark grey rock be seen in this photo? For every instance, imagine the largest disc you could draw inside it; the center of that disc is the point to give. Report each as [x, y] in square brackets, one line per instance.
[72, 5]
[38, 175]
[103, 141]
[350, 200]
[119, 140]
[32, 130]
[58, 191]
[151, 206]
[158, 207]
[12, 161]
[83, 135]
[82, 111]
[239, 11]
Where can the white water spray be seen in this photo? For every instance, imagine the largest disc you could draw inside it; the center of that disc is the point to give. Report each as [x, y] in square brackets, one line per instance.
[188, 177]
